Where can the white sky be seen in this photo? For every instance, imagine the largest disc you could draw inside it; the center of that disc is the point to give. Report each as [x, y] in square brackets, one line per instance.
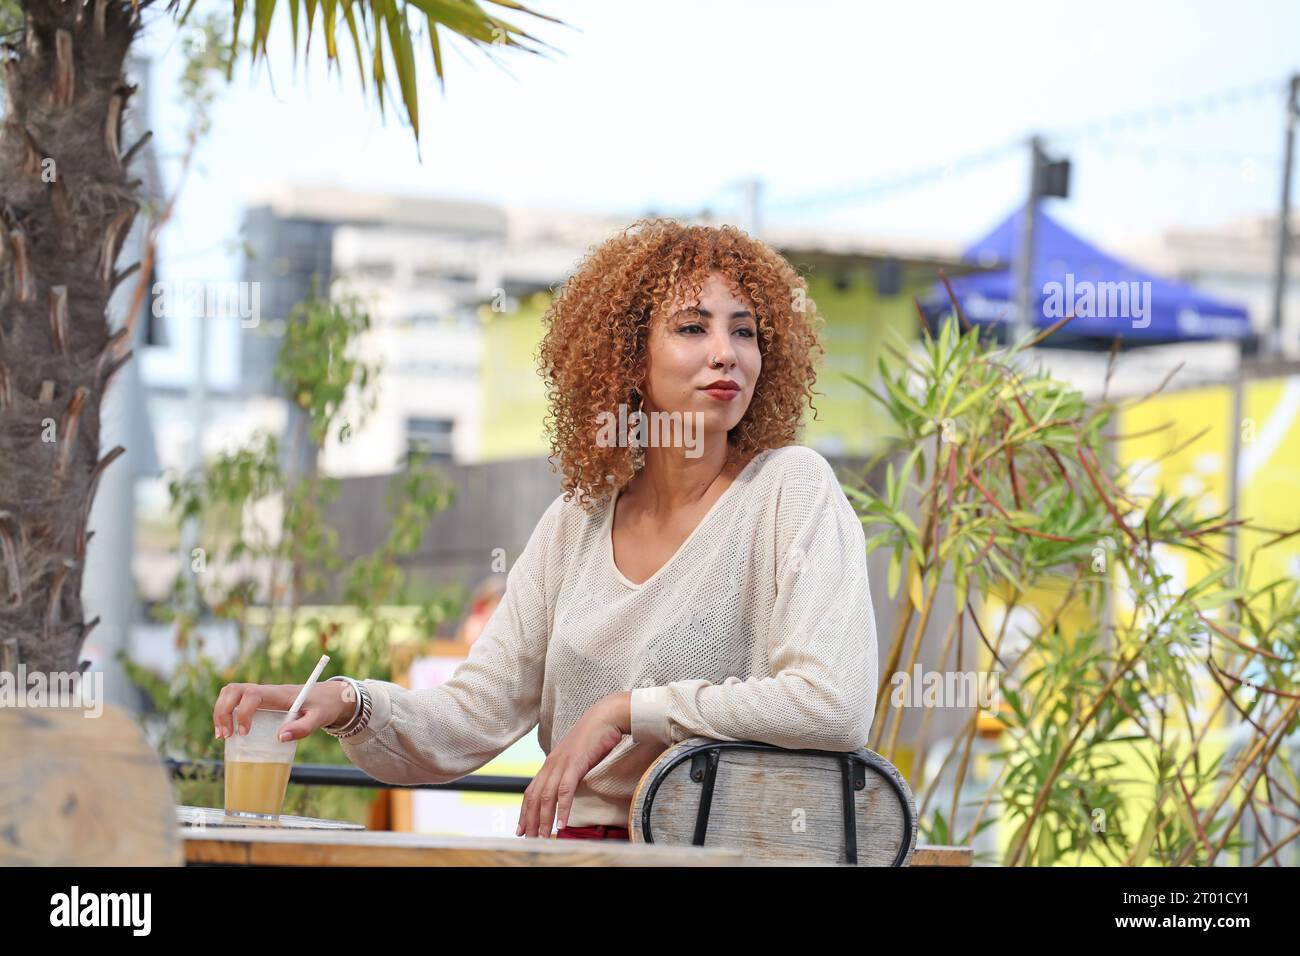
[668, 104]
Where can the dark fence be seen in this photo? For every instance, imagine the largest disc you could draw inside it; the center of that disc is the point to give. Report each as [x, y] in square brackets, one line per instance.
[338, 775]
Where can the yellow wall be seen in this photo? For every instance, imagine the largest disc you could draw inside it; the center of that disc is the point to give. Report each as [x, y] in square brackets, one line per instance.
[1269, 473]
[514, 396]
[857, 324]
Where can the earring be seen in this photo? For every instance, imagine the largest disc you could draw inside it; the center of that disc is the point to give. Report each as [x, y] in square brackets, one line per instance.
[634, 420]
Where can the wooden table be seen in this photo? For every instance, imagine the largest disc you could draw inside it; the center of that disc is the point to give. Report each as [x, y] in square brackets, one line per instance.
[934, 855]
[212, 838]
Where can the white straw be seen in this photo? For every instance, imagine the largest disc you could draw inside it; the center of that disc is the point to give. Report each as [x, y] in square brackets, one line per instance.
[306, 688]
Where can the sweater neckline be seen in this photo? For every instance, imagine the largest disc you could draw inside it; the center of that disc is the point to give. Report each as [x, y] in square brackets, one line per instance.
[608, 529]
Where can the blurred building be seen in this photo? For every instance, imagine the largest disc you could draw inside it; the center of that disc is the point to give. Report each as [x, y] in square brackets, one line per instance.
[1237, 260]
[426, 268]
[457, 291]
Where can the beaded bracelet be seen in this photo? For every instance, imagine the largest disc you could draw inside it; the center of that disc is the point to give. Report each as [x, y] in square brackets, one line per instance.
[360, 715]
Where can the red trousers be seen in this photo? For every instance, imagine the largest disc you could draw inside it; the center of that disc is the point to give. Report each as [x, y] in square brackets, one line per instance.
[602, 832]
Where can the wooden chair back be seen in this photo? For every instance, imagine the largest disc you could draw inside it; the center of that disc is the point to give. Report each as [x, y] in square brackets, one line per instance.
[774, 804]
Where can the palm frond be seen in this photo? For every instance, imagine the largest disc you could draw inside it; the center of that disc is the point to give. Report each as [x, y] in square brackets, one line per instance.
[372, 24]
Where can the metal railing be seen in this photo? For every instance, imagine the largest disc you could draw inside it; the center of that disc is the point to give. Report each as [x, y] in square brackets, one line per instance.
[338, 775]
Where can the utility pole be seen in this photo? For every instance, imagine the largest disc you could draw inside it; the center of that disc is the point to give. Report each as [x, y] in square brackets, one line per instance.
[1284, 220]
[1047, 177]
[1025, 261]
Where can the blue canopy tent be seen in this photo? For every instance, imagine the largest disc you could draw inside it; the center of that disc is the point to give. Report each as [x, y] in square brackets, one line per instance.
[1106, 296]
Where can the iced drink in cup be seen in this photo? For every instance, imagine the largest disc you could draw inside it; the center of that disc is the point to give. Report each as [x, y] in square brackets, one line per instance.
[257, 767]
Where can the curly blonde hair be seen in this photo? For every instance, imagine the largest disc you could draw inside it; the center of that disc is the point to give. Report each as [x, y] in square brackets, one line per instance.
[594, 350]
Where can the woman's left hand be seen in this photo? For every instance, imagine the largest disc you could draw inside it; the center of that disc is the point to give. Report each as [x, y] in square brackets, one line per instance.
[589, 741]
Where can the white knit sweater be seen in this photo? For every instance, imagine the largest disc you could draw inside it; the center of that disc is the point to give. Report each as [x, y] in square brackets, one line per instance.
[759, 627]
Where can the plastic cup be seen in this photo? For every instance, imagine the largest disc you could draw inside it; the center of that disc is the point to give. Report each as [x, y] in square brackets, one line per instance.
[257, 767]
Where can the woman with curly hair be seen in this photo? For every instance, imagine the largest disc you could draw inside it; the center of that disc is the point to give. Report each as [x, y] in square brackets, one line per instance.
[703, 577]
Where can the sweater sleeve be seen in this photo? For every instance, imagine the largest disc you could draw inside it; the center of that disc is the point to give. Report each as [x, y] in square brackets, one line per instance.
[438, 734]
[821, 638]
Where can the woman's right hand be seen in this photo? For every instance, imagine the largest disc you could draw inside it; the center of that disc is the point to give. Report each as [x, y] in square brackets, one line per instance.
[324, 706]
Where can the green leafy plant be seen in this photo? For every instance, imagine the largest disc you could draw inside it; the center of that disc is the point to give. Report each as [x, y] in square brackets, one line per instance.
[265, 546]
[1002, 494]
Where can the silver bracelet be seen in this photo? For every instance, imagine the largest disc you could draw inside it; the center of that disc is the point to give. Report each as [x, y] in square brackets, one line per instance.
[360, 715]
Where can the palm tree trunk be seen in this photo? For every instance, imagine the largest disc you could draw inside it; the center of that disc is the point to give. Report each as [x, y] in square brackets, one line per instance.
[66, 206]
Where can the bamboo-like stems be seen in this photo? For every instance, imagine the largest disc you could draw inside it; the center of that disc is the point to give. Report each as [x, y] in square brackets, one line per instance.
[959, 780]
[1051, 623]
[1191, 753]
[943, 765]
[1281, 730]
[1232, 640]
[988, 797]
[1263, 689]
[1178, 773]
[968, 736]
[906, 611]
[970, 723]
[1007, 463]
[921, 747]
[922, 622]
[1046, 789]
[936, 566]
[1280, 843]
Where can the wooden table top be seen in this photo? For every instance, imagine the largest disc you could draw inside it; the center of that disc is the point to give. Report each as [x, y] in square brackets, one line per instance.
[932, 854]
[210, 837]
[266, 846]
